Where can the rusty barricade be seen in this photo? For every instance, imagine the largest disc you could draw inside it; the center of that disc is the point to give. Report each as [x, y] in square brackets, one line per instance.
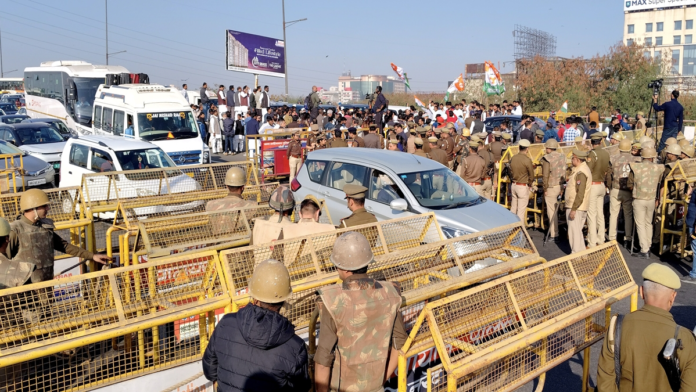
[508, 331]
[674, 203]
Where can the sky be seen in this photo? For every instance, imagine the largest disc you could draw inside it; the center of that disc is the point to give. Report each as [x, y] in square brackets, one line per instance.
[178, 41]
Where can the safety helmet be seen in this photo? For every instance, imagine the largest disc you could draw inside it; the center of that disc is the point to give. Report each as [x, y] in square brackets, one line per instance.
[673, 149]
[683, 143]
[625, 145]
[551, 143]
[670, 141]
[33, 198]
[648, 152]
[282, 199]
[466, 132]
[351, 251]
[4, 227]
[235, 177]
[688, 151]
[644, 139]
[270, 282]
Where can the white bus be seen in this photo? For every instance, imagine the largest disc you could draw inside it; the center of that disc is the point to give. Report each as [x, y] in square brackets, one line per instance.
[12, 85]
[65, 90]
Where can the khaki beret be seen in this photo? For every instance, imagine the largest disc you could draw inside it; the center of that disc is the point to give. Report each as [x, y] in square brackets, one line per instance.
[427, 127]
[446, 130]
[539, 132]
[525, 143]
[497, 134]
[437, 131]
[411, 124]
[420, 130]
[662, 274]
[450, 126]
[475, 138]
[507, 136]
[474, 144]
[432, 139]
[418, 141]
[596, 136]
[483, 135]
[581, 153]
[412, 131]
[315, 127]
[354, 191]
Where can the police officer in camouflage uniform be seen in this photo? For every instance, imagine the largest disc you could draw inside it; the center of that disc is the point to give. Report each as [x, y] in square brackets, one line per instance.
[32, 239]
[13, 273]
[553, 168]
[644, 178]
[268, 229]
[361, 326]
[620, 196]
[355, 195]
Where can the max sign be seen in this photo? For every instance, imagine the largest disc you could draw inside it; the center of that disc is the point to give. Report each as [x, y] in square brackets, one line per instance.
[637, 5]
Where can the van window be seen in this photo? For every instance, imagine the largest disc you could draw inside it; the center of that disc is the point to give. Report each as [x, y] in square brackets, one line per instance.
[118, 122]
[383, 189]
[316, 169]
[97, 116]
[78, 155]
[101, 161]
[106, 119]
[343, 174]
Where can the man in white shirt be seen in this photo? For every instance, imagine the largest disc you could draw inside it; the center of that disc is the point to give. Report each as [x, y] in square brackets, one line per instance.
[222, 99]
[268, 127]
[184, 91]
[517, 108]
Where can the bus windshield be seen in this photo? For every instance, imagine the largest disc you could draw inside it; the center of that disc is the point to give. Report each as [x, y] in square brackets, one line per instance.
[166, 126]
[86, 90]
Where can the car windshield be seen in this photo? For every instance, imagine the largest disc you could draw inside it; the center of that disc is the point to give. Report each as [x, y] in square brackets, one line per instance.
[440, 189]
[86, 90]
[39, 135]
[151, 158]
[60, 127]
[7, 148]
[8, 106]
[14, 120]
[167, 126]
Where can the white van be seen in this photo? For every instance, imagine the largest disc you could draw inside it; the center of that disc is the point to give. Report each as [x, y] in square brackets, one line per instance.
[158, 114]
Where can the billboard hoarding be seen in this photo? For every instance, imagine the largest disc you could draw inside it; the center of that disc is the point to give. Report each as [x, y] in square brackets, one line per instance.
[638, 5]
[255, 54]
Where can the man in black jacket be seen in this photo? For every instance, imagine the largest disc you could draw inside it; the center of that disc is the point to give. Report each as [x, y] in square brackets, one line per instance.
[256, 349]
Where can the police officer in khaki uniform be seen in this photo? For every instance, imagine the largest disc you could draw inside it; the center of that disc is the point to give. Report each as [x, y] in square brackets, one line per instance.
[620, 196]
[644, 180]
[337, 141]
[362, 329]
[436, 154]
[295, 154]
[355, 195]
[577, 195]
[410, 142]
[538, 136]
[489, 164]
[418, 142]
[522, 173]
[553, 168]
[496, 147]
[33, 240]
[473, 167]
[312, 139]
[447, 145]
[268, 229]
[598, 162]
[357, 140]
[639, 341]
[310, 210]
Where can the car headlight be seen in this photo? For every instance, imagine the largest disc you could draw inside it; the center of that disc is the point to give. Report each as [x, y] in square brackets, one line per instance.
[205, 155]
[451, 232]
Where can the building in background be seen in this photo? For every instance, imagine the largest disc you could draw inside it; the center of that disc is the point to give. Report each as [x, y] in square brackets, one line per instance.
[667, 31]
[365, 84]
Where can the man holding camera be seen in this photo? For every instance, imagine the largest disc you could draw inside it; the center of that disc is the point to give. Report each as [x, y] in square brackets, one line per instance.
[674, 117]
[378, 108]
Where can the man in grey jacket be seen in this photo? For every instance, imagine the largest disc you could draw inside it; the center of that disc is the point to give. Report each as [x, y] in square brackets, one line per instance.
[204, 99]
[231, 100]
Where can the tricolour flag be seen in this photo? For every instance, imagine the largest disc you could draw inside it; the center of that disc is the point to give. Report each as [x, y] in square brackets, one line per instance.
[401, 74]
[419, 102]
[493, 83]
[457, 85]
[564, 108]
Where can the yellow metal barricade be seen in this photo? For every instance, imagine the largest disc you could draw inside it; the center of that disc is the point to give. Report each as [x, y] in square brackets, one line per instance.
[103, 191]
[56, 335]
[560, 116]
[13, 165]
[503, 195]
[506, 332]
[674, 206]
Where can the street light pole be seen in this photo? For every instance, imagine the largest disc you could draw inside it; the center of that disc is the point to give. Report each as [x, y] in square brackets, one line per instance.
[112, 54]
[2, 74]
[285, 42]
[106, 25]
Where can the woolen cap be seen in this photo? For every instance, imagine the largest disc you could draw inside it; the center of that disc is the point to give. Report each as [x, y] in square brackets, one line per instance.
[354, 191]
[525, 143]
[662, 274]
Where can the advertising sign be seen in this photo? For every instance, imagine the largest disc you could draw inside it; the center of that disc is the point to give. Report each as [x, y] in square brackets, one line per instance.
[637, 5]
[255, 54]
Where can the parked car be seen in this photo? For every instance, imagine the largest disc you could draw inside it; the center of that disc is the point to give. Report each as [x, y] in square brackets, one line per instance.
[58, 124]
[37, 139]
[398, 185]
[8, 108]
[22, 110]
[35, 172]
[15, 99]
[492, 122]
[95, 154]
[13, 118]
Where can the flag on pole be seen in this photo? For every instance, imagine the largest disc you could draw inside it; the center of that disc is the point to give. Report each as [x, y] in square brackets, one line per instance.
[564, 108]
[457, 85]
[493, 83]
[401, 74]
[419, 102]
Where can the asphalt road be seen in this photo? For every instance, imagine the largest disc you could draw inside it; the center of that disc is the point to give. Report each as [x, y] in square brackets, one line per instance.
[568, 376]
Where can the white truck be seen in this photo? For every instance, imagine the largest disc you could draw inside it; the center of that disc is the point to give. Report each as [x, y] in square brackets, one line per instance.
[156, 114]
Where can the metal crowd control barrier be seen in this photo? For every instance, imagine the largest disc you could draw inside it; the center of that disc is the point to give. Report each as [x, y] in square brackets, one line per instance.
[307, 259]
[506, 332]
[103, 191]
[57, 335]
[8, 173]
[674, 189]
[560, 116]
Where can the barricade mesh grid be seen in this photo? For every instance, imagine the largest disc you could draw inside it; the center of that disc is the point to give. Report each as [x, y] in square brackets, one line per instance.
[601, 272]
[683, 170]
[65, 204]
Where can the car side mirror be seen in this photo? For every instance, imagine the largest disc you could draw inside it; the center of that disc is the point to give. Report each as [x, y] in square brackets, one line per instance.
[399, 205]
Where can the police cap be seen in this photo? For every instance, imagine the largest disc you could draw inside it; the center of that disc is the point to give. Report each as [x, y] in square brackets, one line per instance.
[418, 141]
[354, 191]
[596, 136]
[539, 132]
[507, 136]
[662, 274]
[432, 139]
[474, 144]
[525, 143]
[581, 154]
